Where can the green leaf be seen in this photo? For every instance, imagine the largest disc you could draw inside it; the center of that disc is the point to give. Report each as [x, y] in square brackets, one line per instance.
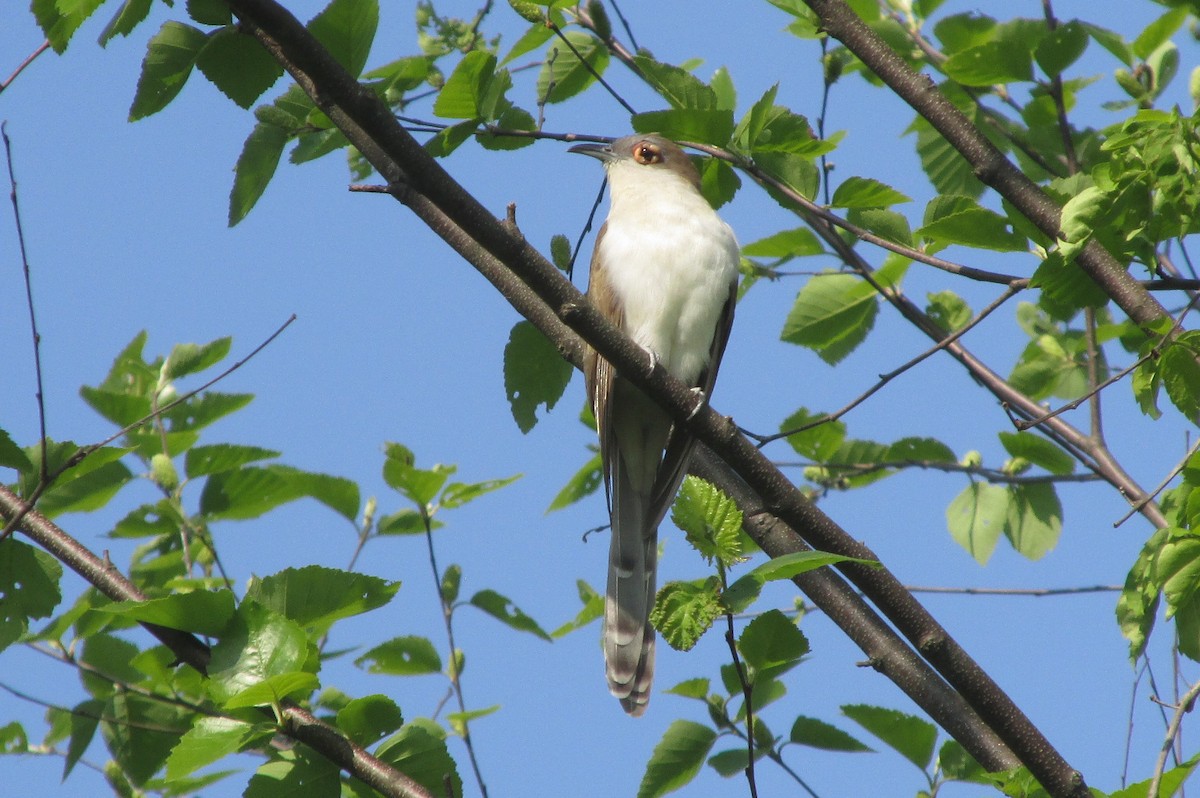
[299, 771]
[834, 312]
[771, 645]
[418, 485]
[200, 411]
[593, 608]
[315, 597]
[347, 29]
[888, 225]
[170, 56]
[677, 758]
[29, 588]
[503, 610]
[912, 737]
[457, 494]
[462, 95]
[11, 455]
[684, 611]
[257, 645]
[255, 168]
[402, 656]
[513, 118]
[584, 482]
[1034, 519]
[534, 37]
[799, 562]
[459, 720]
[209, 12]
[1066, 287]
[274, 689]
[1039, 451]
[976, 518]
[140, 733]
[210, 739]
[200, 611]
[677, 86]
[1137, 606]
[989, 64]
[1170, 784]
[1061, 47]
[535, 374]
[193, 358]
[59, 19]
[704, 125]
[794, 171]
[948, 171]
[710, 519]
[920, 450]
[863, 192]
[564, 74]
[819, 734]
[960, 220]
[1078, 220]
[251, 491]
[691, 688]
[719, 182]
[722, 86]
[131, 14]
[215, 459]
[795, 243]
[404, 522]
[449, 139]
[238, 65]
[1158, 32]
[85, 719]
[366, 720]
[817, 443]
[87, 486]
[1180, 374]
[419, 751]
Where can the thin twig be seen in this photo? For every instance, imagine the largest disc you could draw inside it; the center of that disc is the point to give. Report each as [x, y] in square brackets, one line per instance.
[587, 65]
[33, 327]
[452, 664]
[43, 47]
[884, 379]
[747, 697]
[587, 228]
[1184, 706]
[1174, 472]
[946, 466]
[624, 24]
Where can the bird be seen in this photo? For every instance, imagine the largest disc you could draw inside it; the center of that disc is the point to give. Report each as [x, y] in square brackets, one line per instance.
[664, 271]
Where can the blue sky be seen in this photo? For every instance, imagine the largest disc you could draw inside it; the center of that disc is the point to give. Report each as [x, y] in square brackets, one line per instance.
[397, 339]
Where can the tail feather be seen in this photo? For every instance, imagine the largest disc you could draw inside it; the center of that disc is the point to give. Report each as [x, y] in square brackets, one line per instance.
[633, 555]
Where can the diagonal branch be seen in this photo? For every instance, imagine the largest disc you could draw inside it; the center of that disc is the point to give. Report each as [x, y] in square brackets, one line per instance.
[453, 213]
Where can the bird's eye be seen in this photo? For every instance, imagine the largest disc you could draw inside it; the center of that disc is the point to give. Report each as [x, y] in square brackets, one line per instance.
[646, 153]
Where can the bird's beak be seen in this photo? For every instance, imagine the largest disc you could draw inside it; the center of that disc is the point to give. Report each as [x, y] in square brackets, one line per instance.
[602, 151]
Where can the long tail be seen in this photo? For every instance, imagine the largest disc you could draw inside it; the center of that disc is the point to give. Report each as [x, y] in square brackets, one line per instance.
[640, 430]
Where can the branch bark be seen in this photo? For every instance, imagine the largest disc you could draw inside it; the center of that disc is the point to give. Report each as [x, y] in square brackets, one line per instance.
[301, 725]
[497, 248]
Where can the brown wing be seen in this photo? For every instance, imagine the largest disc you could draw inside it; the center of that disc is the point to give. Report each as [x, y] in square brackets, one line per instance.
[598, 373]
[680, 444]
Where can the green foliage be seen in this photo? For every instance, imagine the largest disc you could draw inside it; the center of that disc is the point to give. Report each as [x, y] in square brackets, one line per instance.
[677, 758]
[534, 374]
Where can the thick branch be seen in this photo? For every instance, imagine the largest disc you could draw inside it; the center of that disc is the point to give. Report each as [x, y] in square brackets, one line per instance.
[189, 650]
[989, 164]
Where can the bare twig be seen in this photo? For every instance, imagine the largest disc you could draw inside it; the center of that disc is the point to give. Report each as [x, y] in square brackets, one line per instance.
[41, 48]
[1185, 705]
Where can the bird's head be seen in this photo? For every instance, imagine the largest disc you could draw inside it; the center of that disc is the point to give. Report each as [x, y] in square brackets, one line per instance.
[643, 157]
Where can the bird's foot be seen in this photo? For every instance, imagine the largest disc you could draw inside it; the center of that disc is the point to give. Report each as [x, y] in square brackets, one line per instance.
[653, 360]
[701, 401]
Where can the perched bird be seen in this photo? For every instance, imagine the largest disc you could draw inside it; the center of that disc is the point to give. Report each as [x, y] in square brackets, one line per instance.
[665, 272]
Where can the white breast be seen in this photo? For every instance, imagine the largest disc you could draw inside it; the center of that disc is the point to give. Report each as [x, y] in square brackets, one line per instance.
[670, 260]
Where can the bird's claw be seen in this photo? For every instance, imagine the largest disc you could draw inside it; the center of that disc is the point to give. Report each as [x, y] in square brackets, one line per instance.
[701, 401]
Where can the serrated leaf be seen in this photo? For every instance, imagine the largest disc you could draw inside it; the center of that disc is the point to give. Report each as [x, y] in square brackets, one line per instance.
[886, 224]
[989, 64]
[59, 19]
[584, 482]
[794, 171]
[819, 734]
[347, 29]
[274, 689]
[960, 220]
[209, 739]
[787, 566]
[593, 608]
[707, 125]
[255, 168]
[535, 374]
[719, 182]
[170, 55]
[238, 65]
[571, 68]
[257, 645]
[298, 771]
[976, 518]
[462, 95]
[920, 450]
[503, 610]
[419, 751]
[677, 86]
[1179, 372]
[315, 597]
[863, 192]
[140, 733]
[818, 442]
[710, 519]
[365, 720]
[204, 460]
[1039, 451]
[912, 737]
[129, 16]
[676, 759]
[11, 455]
[251, 491]
[771, 645]
[402, 656]
[29, 580]
[684, 611]
[199, 611]
[795, 243]
[1034, 519]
